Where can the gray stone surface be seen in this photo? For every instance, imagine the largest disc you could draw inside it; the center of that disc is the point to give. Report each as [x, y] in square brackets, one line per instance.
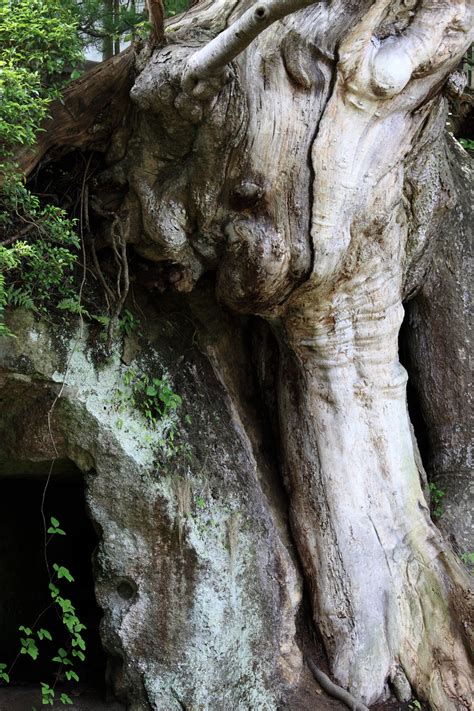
[194, 571]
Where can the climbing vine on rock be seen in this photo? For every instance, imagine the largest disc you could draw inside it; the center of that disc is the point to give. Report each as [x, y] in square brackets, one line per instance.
[32, 637]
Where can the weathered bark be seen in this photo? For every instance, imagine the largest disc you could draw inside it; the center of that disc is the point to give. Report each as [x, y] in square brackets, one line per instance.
[437, 342]
[290, 173]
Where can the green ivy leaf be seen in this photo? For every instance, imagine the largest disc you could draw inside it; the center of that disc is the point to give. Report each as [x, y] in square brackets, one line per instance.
[80, 655]
[63, 572]
[44, 634]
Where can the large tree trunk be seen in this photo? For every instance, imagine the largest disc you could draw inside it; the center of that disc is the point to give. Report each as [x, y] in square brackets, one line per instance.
[285, 164]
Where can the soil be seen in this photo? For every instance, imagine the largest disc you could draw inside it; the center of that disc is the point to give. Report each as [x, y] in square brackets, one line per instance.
[26, 698]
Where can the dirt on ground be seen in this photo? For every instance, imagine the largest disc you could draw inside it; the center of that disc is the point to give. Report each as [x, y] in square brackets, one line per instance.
[309, 697]
[27, 698]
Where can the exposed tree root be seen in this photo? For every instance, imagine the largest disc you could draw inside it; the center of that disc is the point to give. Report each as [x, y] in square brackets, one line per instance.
[337, 692]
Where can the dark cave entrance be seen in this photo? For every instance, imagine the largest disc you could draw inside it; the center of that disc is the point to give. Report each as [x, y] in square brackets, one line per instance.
[24, 591]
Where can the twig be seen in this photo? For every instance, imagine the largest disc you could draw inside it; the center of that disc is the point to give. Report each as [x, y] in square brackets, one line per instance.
[211, 59]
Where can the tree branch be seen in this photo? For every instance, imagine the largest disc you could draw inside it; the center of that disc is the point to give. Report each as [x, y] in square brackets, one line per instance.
[211, 59]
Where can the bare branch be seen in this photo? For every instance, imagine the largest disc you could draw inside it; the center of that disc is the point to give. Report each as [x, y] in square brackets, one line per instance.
[211, 59]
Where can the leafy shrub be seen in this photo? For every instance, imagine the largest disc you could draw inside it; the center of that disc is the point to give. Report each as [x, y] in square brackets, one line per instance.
[39, 42]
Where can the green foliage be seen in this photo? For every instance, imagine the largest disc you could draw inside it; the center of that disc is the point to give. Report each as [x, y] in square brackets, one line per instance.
[468, 559]
[28, 643]
[437, 496]
[36, 271]
[54, 527]
[75, 647]
[152, 396]
[103, 23]
[155, 399]
[22, 106]
[47, 694]
[174, 7]
[467, 143]
[4, 676]
[44, 634]
[39, 43]
[128, 323]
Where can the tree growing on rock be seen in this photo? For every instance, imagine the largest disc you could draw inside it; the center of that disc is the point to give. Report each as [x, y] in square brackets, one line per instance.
[297, 150]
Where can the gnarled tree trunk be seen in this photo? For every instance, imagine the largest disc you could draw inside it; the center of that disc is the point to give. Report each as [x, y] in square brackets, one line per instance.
[276, 146]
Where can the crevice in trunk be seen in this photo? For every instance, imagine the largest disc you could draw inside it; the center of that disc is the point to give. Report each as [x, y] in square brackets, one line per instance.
[420, 426]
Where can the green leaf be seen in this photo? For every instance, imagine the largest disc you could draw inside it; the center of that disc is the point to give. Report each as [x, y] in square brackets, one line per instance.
[71, 674]
[26, 630]
[47, 694]
[44, 634]
[63, 572]
[33, 652]
[54, 522]
[65, 699]
[80, 655]
[56, 530]
[78, 642]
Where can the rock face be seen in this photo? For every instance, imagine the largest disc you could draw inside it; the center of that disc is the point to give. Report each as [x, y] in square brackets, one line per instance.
[194, 569]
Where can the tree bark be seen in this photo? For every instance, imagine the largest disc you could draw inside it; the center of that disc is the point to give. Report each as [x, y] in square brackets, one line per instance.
[288, 173]
[436, 342]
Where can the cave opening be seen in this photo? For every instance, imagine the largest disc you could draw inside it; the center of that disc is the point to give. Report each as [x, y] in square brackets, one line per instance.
[25, 595]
